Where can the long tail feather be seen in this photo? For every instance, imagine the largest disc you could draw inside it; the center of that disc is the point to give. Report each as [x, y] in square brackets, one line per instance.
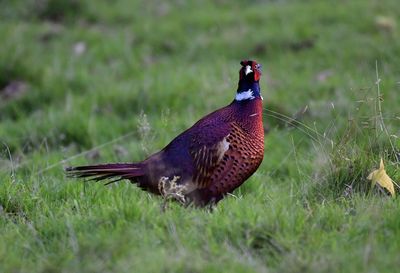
[116, 172]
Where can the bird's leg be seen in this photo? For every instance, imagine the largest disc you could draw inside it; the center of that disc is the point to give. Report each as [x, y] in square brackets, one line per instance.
[211, 205]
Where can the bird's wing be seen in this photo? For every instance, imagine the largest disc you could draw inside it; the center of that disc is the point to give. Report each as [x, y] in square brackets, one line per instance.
[207, 149]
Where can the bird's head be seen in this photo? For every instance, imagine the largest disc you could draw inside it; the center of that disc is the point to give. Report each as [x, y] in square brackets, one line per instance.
[250, 71]
[248, 86]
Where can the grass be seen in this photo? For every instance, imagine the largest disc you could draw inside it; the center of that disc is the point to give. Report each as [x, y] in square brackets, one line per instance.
[121, 79]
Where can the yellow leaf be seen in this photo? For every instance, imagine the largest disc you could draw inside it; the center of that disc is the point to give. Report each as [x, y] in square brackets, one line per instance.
[379, 176]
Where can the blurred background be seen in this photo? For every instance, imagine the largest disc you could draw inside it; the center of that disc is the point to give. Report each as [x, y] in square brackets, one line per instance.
[82, 72]
[65, 62]
[103, 81]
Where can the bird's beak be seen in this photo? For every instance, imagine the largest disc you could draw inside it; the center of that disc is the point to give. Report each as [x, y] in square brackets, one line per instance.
[248, 69]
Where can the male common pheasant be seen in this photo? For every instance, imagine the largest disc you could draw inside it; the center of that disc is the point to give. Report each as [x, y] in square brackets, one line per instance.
[207, 161]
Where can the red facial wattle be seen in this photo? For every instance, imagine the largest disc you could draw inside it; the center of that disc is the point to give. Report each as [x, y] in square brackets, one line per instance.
[257, 73]
[255, 67]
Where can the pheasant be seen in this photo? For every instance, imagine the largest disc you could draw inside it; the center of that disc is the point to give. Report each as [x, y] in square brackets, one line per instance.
[207, 161]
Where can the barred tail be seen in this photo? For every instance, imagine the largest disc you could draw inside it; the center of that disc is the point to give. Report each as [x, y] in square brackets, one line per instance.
[114, 172]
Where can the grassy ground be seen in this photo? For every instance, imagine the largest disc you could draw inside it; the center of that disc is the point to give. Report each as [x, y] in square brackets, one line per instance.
[76, 75]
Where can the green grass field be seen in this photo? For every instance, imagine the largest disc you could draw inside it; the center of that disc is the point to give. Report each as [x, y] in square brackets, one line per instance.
[106, 81]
